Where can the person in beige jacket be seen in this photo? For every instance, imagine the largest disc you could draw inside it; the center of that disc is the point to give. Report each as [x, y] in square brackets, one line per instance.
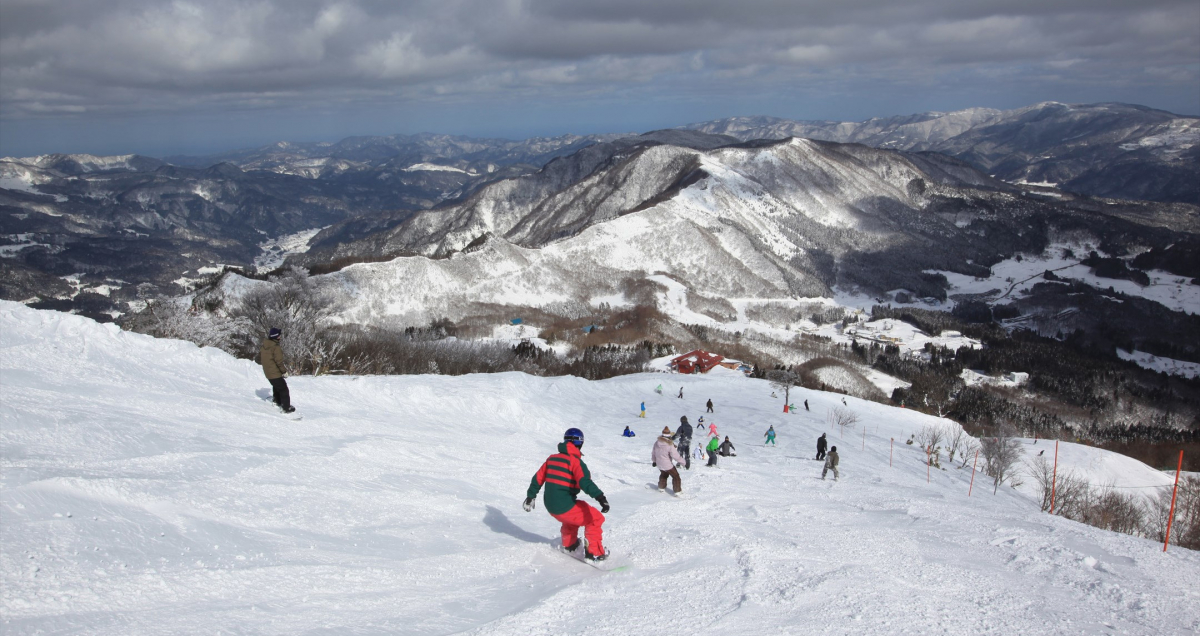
[271, 358]
[831, 463]
[665, 458]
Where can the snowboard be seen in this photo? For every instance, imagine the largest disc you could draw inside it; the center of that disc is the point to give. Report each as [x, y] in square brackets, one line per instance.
[669, 493]
[611, 564]
[294, 415]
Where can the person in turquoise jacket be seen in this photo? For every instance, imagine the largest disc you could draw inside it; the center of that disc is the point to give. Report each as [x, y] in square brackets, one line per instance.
[770, 437]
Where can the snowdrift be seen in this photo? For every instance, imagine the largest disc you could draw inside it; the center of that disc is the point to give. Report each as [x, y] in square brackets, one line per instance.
[148, 488]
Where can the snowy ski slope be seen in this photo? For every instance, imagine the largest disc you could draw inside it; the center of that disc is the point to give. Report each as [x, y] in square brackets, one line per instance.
[147, 489]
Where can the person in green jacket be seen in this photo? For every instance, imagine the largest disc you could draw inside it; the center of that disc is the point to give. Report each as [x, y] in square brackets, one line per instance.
[271, 358]
[564, 474]
[713, 445]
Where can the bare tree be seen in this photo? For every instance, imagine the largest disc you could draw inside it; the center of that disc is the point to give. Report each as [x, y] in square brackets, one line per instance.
[842, 418]
[784, 380]
[969, 448]
[1185, 530]
[931, 438]
[1002, 454]
[1043, 475]
[173, 318]
[293, 303]
[954, 442]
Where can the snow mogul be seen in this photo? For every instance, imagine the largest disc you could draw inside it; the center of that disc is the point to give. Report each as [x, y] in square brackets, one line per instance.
[564, 475]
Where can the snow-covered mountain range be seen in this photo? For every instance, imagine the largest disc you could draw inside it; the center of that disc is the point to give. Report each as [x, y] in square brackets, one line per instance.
[819, 214]
[1110, 150]
[767, 220]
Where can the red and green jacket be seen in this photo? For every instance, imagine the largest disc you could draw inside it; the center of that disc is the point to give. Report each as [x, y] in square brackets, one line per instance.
[564, 475]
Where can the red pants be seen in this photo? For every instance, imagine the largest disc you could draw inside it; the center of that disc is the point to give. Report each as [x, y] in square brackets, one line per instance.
[588, 517]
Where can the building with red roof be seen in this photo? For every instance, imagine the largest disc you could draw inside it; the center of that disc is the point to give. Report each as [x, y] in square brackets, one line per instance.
[697, 361]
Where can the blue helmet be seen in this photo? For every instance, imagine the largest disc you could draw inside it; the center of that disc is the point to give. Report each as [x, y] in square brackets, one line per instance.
[274, 333]
[574, 436]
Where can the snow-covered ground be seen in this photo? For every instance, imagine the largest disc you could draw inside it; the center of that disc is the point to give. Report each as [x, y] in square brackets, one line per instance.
[433, 167]
[1012, 277]
[21, 241]
[1169, 366]
[1100, 469]
[972, 377]
[907, 337]
[148, 489]
[276, 250]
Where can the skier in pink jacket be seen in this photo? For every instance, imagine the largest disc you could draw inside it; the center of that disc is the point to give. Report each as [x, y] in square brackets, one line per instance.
[665, 458]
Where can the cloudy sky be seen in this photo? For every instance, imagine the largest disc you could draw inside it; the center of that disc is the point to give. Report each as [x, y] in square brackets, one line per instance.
[192, 77]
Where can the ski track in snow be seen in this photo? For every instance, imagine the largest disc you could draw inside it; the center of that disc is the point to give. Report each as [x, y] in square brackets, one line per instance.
[148, 489]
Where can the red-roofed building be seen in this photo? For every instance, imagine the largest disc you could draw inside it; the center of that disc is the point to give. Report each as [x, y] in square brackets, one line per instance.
[696, 362]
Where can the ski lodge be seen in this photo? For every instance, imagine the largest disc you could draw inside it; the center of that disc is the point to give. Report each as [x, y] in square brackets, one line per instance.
[697, 361]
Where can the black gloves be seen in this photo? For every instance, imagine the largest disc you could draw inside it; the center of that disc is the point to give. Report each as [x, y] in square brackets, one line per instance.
[528, 505]
[654, 464]
[603, 503]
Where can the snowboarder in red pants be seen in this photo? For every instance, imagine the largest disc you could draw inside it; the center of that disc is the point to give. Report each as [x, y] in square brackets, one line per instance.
[564, 475]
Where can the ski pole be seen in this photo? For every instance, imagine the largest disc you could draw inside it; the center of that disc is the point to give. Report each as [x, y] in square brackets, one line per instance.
[890, 447]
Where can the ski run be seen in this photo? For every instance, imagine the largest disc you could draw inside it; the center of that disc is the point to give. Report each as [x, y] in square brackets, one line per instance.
[148, 489]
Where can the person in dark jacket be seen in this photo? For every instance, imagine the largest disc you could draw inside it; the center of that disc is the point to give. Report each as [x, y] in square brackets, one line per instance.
[683, 437]
[564, 475]
[821, 444]
[710, 406]
[726, 449]
[628, 433]
[271, 358]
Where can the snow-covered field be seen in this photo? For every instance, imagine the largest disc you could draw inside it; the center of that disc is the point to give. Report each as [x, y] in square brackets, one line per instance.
[276, 250]
[1011, 277]
[1169, 366]
[148, 489]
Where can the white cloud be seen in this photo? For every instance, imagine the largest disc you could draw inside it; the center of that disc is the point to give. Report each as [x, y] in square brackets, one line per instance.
[139, 55]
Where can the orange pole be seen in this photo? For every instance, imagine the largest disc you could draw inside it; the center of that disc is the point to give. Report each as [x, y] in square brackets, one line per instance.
[972, 487]
[890, 447]
[1054, 479]
[1171, 517]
